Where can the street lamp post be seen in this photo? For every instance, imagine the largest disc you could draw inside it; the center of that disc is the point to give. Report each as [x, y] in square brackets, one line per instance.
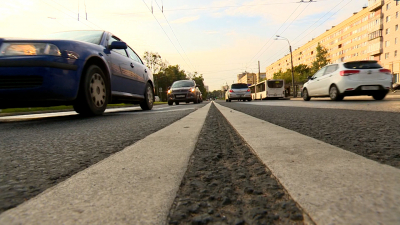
[291, 61]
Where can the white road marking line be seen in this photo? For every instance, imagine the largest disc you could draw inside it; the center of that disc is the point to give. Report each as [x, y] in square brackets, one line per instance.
[70, 113]
[332, 185]
[172, 110]
[135, 186]
[357, 104]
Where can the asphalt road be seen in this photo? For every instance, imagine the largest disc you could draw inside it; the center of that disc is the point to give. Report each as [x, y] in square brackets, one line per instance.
[225, 181]
[357, 128]
[38, 153]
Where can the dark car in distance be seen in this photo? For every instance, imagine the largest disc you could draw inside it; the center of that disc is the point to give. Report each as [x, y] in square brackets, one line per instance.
[184, 91]
[86, 69]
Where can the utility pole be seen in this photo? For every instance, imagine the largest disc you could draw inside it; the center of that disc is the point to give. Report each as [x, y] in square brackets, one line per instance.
[291, 61]
[259, 75]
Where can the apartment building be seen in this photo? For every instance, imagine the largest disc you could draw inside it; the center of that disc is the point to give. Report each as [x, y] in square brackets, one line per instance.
[370, 34]
[247, 78]
[390, 44]
[260, 76]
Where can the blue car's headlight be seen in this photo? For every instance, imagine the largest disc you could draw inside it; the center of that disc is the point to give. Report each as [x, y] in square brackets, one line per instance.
[20, 48]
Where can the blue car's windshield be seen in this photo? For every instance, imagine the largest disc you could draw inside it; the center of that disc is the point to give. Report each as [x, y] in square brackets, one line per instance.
[91, 36]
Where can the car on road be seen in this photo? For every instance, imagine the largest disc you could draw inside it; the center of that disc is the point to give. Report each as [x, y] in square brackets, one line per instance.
[238, 91]
[183, 91]
[349, 79]
[201, 95]
[86, 69]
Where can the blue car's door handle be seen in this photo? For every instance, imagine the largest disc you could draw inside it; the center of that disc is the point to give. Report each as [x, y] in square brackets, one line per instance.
[132, 65]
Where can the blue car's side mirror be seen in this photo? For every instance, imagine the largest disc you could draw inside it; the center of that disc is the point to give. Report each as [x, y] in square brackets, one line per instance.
[117, 45]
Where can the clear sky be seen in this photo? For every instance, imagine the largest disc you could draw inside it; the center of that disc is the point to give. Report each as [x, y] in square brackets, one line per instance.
[218, 39]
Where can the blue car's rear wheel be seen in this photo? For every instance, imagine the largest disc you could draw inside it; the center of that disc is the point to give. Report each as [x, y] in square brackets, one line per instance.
[92, 97]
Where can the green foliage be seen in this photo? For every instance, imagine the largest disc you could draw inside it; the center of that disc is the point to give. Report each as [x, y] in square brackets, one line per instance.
[166, 77]
[216, 94]
[200, 82]
[301, 73]
[321, 59]
[154, 62]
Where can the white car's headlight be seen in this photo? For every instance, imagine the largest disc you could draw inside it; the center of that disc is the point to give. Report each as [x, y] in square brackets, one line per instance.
[15, 49]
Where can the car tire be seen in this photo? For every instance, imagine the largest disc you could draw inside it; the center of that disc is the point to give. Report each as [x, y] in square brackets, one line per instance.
[379, 96]
[249, 99]
[170, 102]
[93, 93]
[334, 93]
[148, 102]
[229, 100]
[306, 97]
[196, 100]
[176, 103]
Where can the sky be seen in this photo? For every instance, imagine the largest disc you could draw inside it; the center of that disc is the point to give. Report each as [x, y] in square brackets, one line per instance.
[218, 39]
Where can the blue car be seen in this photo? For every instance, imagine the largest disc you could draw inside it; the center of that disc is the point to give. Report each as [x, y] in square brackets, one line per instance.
[86, 69]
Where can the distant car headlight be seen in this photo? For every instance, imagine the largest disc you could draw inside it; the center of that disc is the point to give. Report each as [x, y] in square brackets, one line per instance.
[169, 91]
[16, 49]
[192, 90]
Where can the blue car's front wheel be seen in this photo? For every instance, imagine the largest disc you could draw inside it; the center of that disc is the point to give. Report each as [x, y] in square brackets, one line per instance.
[92, 97]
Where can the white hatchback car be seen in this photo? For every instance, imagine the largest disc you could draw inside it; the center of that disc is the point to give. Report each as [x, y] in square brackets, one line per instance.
[349, 79]
[238, 91]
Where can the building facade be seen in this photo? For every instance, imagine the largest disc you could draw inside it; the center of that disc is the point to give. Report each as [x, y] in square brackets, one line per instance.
[247, 78]
[260, 77]
[370, 34]
[389, 15]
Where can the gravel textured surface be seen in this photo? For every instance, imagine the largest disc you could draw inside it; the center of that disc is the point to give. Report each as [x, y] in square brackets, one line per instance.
[372, 134]
[225, 183]
[38, 154]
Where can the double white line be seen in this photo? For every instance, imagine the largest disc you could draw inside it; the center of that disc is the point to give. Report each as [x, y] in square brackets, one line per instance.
[138, 185]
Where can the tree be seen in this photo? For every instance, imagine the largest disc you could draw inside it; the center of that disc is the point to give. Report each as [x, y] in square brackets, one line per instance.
[321, 59]
[154, 62]
[200, 82]
[301, 73]
[166, 77]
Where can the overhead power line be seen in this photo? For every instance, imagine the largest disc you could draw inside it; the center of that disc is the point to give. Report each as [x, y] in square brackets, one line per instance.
[175, 36]
[261, 50]
[237, 6]
[166, 33]
[284, 49]
[72, 12]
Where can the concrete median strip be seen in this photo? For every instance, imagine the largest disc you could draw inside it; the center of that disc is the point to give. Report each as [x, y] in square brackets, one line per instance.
[135, 186]
[333, 186]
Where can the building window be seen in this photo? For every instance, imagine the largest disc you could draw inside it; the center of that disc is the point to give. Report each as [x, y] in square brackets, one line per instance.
[386, 55]
[387, 19]
[395, 53]
[395, 41]
[388, 6]
[396, 27]
[387, 30]
[397, 13]
[387, 43]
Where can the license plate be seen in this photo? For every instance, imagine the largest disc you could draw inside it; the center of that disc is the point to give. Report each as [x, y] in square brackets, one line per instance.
[180, 96]
[367, 88]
